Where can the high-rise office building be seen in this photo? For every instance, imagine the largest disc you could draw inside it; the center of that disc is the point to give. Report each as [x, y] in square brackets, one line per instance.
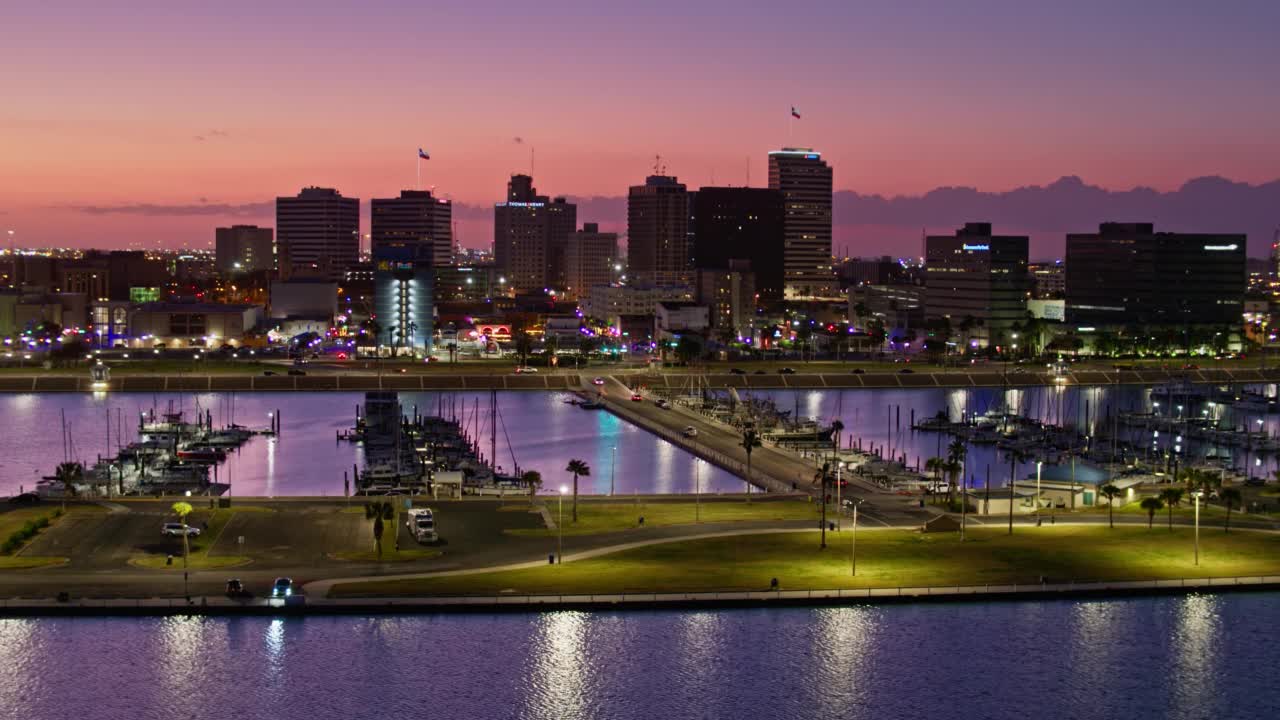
[317, 233]
[1129, 274]
[741, 224]
[979, 276]
[658, 232]
[416, 216]
[244, 249]
[530, 234]
[805, 181]
[590, 259]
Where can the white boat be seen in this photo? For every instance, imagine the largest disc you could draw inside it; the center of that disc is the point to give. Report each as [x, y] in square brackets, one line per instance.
[1180, 390]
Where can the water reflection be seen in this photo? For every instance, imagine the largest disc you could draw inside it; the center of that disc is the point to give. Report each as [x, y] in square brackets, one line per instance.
[1195, 647]
[559, 665]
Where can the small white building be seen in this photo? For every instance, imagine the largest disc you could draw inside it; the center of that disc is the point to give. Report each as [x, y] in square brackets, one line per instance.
[996, 501]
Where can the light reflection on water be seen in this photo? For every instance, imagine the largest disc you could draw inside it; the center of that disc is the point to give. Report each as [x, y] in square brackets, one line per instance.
[1192, 657]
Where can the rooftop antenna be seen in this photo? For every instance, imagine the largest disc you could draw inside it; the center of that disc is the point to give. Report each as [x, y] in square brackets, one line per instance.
[658, 167]
[531, 161]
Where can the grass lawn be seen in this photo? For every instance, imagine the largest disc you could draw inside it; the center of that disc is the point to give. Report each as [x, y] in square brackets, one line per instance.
[12, 521]
[199, 557]
[390, 554]
[596, 518]
[886, 558]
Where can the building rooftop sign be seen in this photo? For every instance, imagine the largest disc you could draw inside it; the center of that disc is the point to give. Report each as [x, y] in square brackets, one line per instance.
[978, 247]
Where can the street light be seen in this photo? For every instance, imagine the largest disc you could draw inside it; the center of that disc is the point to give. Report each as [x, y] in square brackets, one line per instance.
[613, 466]
[560, 528]
[1039, 463]
[853, 543]
[839, 504]
[1196, 495]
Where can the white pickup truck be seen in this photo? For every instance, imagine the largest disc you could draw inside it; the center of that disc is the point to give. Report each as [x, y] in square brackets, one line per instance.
[422, 523]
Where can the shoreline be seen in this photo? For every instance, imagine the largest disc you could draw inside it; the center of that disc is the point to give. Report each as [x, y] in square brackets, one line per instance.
[216, 606]
[567, 381]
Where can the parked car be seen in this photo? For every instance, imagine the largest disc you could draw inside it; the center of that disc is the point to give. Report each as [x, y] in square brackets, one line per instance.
[637, 397]
[525, 369]
[268, 373]
[663, 403]
[174, 529]
[737, 371]
[759, 372]
[236, 589]
[857, 371]
[786, 371]
[282, 587]
[691, 431]
[906, 371]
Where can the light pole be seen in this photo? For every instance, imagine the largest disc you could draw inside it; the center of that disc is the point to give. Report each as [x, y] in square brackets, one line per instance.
[613, 466]
[1196, 495]
[1039, 463]
[853, 543]
[839, 504]
[560, 528]
[697, 490]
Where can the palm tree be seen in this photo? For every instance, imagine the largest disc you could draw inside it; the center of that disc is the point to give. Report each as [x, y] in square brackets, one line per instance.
[533, 480]
[1230, 497]
[1152, 505]
[1171, 497]
[578, 468]
[182, 510]
[937, 466]
[956, 452]
[378, 511]
[69, 473]
[821, 477]
[837, 427]
[750, 441]
[1111, 492]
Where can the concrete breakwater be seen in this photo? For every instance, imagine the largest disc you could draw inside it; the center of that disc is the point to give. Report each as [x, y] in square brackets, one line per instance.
[922, 378]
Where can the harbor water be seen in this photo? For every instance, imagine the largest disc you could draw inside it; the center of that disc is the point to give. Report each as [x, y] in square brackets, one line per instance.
[1195, 656]
[541, 431]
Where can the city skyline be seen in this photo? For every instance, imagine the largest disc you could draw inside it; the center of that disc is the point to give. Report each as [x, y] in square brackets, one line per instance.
[120, 132]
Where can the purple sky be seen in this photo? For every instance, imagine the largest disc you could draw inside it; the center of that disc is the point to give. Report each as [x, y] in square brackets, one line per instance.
[179, 105]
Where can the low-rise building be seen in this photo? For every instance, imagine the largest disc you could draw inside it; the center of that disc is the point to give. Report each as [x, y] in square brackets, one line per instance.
[608, 303]
[181, 324]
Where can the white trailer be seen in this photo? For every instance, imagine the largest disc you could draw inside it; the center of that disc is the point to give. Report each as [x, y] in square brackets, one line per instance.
[422, 523]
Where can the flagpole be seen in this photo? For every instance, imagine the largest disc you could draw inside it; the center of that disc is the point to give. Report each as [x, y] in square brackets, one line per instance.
[417, 183]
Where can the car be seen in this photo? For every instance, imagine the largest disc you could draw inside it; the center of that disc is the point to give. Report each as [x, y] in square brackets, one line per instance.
[691, 432]
[637, 397]
[174, 529]
[906, 371]
[737, 371]
[296, 371]
[236, 589]
[26, 498]
[857, 371]
[525, 369]
[786, 371]
[597, 381]
[282, 587]
[268, 373]
[663, 403]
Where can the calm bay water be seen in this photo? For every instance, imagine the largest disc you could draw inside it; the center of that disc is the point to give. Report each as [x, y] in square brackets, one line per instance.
[1185, 657]
[539, 431]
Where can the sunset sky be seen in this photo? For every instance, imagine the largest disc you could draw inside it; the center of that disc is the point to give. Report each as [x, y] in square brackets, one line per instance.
[141, 122]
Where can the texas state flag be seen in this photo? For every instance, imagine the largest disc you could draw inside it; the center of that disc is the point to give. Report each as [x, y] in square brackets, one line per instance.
[795, 113]
[423, 153]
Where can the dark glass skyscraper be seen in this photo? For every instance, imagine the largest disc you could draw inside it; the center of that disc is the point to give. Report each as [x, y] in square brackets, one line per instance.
[733, 223]
[976, 275]
[1129, 274]
[317, 233]
[805, 182]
